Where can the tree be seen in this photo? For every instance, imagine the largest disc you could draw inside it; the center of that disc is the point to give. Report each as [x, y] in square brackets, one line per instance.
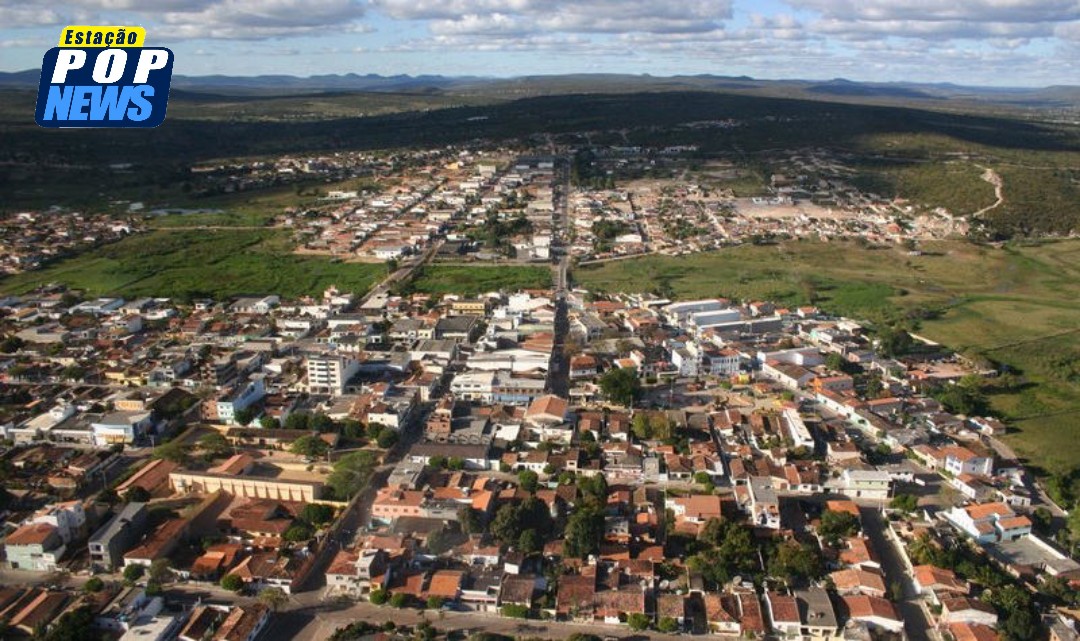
[435, 602]
[75, 625]
[584, 530]
[438, 462]
[399, 600]
[93, 584]
[667, 625]
[351, 473]
[515, 611]
[836, 526]
[133, 573]
[894, 341]
[322, 423]
[795, 563]
[244, 416]
[298, 532]
[513, 519]
[905, 503]
[621, 385]
[387, 439]
[638, 621]
[1042, 519]
[214, 444]
[11, 344]
[528, 480]
[232, 583]
[138, 494]
[172, 451]
[529, 542]
[702, 477]
[268, 422]
[733, 552]
[160, 571]
[713, 532]
[310, 446]
[317, 514]
[439, 542]
[1058, 589]
[455, 464]
[273, 598]
[378, 597]
[352, 428]
[470, 520]
[297, 421]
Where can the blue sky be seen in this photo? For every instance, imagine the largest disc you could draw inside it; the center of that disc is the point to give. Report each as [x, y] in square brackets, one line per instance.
[985, 42]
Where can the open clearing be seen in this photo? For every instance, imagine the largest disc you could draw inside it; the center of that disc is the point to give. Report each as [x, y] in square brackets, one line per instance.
[472, 280]
[186, 264]
[1019, 306]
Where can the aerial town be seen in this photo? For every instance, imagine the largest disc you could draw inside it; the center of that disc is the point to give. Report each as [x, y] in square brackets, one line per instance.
[542, 462]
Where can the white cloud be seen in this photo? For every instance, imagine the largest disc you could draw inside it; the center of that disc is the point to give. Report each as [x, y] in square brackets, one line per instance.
[940, 10]
[567, 16]
[18, 14]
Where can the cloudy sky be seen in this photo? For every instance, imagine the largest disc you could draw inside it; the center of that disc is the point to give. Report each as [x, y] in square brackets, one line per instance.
[988, 42]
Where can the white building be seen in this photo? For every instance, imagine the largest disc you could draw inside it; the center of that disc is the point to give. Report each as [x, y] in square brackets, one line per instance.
[961, 460]
[989, 522]
[121, 427]
[797, 430]
[867, 484]
[329, 373]
[68, 518]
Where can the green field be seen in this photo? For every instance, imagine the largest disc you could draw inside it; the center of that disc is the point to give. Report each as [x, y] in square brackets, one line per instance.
[472, 280]
[1019, 306]
[187, 264]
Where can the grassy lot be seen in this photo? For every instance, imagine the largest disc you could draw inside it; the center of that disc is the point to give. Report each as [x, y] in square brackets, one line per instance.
[193, 263]
[472, 280]
[1019, 306]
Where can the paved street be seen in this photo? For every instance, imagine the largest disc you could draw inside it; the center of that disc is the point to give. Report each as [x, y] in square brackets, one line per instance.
[915, 621]
[311, 624]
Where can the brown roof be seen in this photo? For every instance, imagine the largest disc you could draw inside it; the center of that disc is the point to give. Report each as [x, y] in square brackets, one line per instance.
[784, 608]
[575, 591]
[31, 534]
[549, 405]
[985, 510]
[445, 583]
[160, 541]
[862, 606]
[671, 605]
[42, 608]
[752, 618]
[931, 576]
[972, 632]
[858, 552]
[858, 579]
[241, 622]
[234, 466]
[961, 603]
[627, 600]
[517, 589]
[149, 477]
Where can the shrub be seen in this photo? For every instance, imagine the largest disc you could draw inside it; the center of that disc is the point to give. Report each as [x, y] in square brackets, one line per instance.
[232, 583]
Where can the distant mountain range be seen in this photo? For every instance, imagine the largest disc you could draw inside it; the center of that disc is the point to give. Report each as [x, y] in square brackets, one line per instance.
[839, 88]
